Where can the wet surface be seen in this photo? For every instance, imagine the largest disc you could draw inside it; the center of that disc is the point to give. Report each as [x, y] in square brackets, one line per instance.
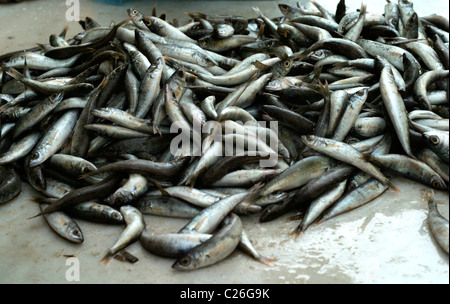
[385, 241]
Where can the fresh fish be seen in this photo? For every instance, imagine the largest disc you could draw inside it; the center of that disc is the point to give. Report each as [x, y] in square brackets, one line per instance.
[437, 223]
[10, 184]
[437, 141]
[215, 249]
[172, 245]
[345, 153]
[135, 225]
[395, 106]
[358, 197]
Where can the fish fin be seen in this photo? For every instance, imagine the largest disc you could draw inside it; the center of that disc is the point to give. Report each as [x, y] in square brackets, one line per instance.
[191, 181]
[88, 174]
[154, 10]
[340, 65]
[295, 217]
[26, 69]
[43, 200]
[258, 64]
[44, 47]
[366, 156]
[160, 188]
[14, 74]
[197, 16]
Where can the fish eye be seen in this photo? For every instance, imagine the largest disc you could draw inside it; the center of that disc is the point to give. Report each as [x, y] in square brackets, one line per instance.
[76, 233]
[434, 140]
[185, 261]
[148, 22]
[287, 64]
[436, 184]
[35, 155]
[135, 12]
[360, 93]
[119, 201]
[116, 215]
[85, 170]
[310, 137]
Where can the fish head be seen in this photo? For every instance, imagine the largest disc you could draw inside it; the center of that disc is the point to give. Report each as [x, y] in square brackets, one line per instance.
[309, 140]
[438, 183]
[134, 14]
[204, 42]
[153, 23]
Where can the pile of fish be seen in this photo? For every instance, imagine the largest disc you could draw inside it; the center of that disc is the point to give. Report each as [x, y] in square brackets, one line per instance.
[356, 98]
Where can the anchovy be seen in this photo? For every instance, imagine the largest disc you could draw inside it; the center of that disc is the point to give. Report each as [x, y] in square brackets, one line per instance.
[135, 226]
[395, 108]
[63, 225]
[358, 197]
[10, 184]
[437, 223]
[345, 153]
[215, 249]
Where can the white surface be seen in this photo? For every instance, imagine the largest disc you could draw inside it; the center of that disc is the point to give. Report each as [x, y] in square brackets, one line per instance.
[386, 241]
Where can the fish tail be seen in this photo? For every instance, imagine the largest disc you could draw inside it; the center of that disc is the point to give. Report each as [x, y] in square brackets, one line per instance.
[296, 232]
[32, 217]
[390, 184]
[266, 261]
[366, 156]
[324, 89]
[363, 9]
[64, 32]
[429, 196]
[254, 191]
[196, 16]
[257, 10]
[106, 258]
[156, 130]
[39, 214]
